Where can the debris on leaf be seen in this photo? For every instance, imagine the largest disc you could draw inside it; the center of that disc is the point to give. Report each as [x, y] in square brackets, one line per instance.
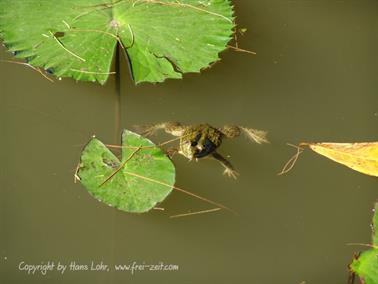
[144, 177]
[242, 31]
[77, 38]
[366, 264]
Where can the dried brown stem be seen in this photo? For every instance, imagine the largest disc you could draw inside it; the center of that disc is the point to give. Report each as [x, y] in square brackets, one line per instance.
[179, 4]
[92, 72]
[76, 175]
[145, 147]
[65, 48]
[121, 166]
[159, 208]
[290, 164]
[195, 213]
[362, 244]
[236, 48]
[181, 190]
[32, 67]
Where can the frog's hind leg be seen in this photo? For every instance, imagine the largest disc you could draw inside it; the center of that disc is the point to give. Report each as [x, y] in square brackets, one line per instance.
[229, 169]
[231, 131]
[173, 128]
[255, 135]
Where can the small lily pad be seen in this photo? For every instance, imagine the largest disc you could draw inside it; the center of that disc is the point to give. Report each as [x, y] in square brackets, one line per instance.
[366, 265]
[76, 38]
[144, 176]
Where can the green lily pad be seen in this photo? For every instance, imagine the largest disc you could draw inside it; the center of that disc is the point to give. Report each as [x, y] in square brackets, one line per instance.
[76, 38]
[366, 265]
[145, 177]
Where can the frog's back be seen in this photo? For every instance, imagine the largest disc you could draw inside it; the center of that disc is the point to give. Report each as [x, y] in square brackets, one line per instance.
[203, 130]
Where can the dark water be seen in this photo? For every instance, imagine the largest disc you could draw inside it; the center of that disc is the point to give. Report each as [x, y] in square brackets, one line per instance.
[314, 78]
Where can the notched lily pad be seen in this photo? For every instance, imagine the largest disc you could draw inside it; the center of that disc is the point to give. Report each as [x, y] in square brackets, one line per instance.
[76, 38]
[366, 265]
[143, 178]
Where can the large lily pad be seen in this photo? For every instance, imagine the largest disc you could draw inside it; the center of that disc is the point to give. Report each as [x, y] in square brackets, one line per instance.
[145, 178]
[76, 38]
[366, 265]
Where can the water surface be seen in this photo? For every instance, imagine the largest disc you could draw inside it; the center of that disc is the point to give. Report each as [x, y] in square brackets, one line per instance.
[314, 78]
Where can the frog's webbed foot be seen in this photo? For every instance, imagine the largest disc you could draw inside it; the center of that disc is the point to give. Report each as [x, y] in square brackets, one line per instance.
[231, 173]
[171, 152]
[255, 135]
[173, 128]
[147, 129]
[229, 169]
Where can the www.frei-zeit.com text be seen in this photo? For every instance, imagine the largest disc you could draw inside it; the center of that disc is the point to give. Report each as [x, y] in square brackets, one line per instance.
[132, 267]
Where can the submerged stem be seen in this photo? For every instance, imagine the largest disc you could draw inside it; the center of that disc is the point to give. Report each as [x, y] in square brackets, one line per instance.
[117, 81]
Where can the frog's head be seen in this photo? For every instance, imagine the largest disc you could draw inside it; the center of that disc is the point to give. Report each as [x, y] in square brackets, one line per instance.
[197, 146]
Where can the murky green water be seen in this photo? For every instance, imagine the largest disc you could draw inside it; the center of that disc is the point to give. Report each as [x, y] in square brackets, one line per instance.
[314, 79]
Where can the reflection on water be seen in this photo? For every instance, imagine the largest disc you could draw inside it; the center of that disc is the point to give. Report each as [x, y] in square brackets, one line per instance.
[313, 79]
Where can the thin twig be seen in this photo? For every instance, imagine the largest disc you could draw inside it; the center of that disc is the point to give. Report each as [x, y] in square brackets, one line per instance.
[179, 4]
[93, 10]
[235, 31]
[95, 31]
[195, 213]
[65, 48]
[172, 140]
[116, 36]
[236, 48]
[122, 147]
[32, 67]
[101, 5]
[145, 147]
[76, 174]
[182, 190]
[162, 183]
[66, 24]
[290, 164]
[120, 167]
[132, 37]
[117, 93]
[159, 208]
[362, 244]
[92, 72]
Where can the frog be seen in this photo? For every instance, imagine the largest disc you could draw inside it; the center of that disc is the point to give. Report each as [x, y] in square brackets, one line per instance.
[197, 141]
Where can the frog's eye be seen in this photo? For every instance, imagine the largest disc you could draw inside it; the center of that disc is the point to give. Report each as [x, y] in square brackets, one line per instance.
[194, 142]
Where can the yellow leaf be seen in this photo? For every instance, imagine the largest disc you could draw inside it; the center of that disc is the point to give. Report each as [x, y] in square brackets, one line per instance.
[361, 157]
